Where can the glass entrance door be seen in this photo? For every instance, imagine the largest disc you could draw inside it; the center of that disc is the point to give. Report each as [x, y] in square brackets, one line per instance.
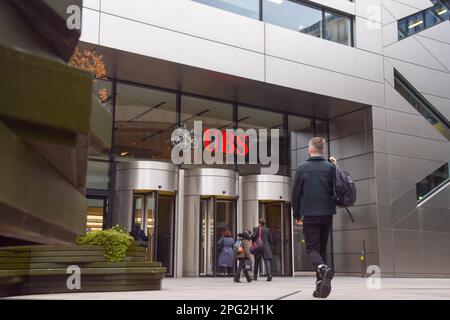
[216, 217]
[278, 220]
[155, 213]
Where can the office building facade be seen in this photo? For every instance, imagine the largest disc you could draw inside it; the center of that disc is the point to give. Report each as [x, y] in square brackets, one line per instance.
[370, 76]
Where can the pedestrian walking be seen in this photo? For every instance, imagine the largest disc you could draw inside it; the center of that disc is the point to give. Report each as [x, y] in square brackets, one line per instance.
[313, 206]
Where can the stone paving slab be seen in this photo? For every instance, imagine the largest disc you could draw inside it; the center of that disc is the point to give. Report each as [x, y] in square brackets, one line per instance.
[298, 288]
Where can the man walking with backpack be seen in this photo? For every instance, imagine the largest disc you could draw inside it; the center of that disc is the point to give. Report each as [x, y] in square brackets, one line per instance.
[313, 205]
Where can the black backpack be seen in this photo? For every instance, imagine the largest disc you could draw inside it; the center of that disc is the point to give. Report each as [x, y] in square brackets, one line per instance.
[344, 189]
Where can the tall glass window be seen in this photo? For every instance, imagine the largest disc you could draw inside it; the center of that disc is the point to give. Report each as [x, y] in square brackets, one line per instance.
[248, 8]
[293, 15]
[214, 115]
[338, 28]
[97, 174]
[144, 121]
[301, 130]
[250, 118]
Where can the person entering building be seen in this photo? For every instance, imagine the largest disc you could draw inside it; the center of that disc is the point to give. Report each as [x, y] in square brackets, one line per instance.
[313, 206]
[139, 235]
[225, 260]
[242, 250]
[262, 238]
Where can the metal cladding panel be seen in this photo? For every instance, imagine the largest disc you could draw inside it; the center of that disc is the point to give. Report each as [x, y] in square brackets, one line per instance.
[90, 28]
[420, 78]
[92, 4]
[290, 45]
[147, 175]
[401, 9]
[120, 33]
[266, 187]
[440, 32]
[191, 223]
[321, 81]
[211, 182]
[438, 49]
[412, 50]
[368, 35]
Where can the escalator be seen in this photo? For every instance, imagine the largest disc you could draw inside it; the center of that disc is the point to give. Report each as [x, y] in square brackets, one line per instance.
[435, 181]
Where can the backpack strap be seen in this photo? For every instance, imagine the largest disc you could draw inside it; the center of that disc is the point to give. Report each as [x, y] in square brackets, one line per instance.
[350, 214]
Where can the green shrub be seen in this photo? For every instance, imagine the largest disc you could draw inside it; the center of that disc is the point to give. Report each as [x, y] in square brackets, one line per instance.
[116, 242]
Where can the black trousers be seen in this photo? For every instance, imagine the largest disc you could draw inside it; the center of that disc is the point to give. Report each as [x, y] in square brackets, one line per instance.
[316, 231]
[267, 262]
[241, 267]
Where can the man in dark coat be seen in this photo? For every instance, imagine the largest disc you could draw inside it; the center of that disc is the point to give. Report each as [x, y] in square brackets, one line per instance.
[313, 206]
[266, 254]
[139, 235]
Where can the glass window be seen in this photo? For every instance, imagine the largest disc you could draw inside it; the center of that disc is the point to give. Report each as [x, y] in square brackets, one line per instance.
[250, 118]
[301, 130]
[103, 91]
[248, 8]
[338, 28]
[293, 16]
[96, 209]
[213, 115]
[433, 181]
[144, 121]
[431, 18]
[97, 175]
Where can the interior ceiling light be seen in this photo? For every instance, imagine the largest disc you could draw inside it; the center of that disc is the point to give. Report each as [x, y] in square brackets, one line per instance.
[442, 12]
[415, 24]
[124, 153]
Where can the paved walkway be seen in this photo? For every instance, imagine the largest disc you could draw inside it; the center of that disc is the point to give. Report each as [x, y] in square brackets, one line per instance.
[299, 288]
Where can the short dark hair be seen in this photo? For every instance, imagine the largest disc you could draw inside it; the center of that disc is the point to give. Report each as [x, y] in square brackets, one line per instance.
[262, 221]
[318, 143]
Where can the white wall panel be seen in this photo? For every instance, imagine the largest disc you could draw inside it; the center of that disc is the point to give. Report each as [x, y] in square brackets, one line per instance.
[439, 50]
[400, 10]
[92, 4]
[160, 43]
[302, 48]
[424, 79]
[369, 9]
[90, 27]
[439, 32]
[303, 77]
[413, 51]
[192, 18]
[369, 35]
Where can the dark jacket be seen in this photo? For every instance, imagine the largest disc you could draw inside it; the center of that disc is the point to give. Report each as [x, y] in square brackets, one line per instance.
[266, 238]
[245, 243]
[312, 191]
[139, 235]
[226, 256]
